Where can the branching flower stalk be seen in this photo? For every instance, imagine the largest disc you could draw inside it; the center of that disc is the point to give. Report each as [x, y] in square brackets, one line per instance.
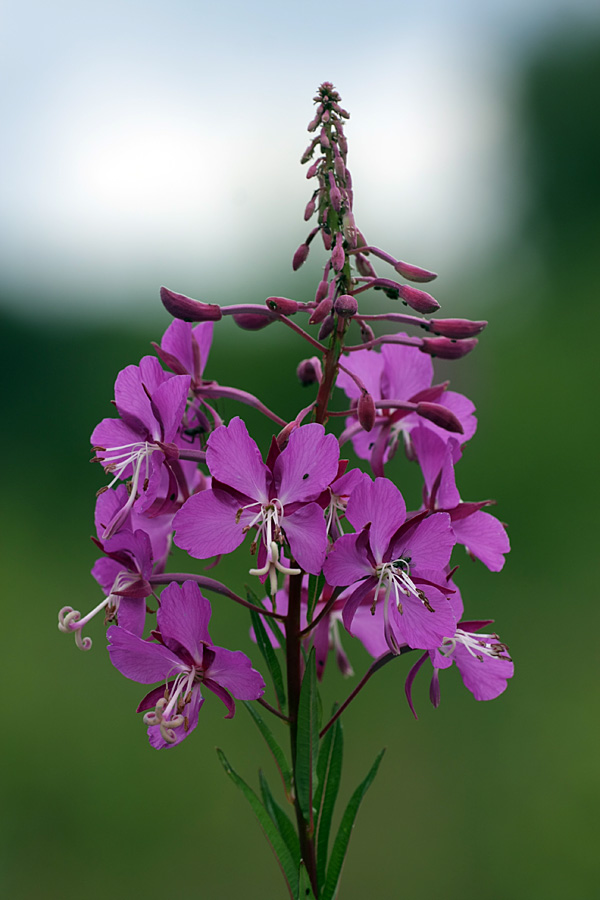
[336, 555]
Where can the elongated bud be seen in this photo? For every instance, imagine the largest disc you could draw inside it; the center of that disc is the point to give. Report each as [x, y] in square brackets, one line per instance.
[346, 306]
[283, 305]
[312, 171]
[334, 193]
[322, 310]
[446, 348]
[309, 371]
[324, 140]
[327, 239]
[326, 328]
[322, 291]
[366, 411]
[349, 226]
[456, 328]
[338, 257]
[252, 321]
[300, 256]
[439, 415]
[182, 307]
[413, 273]
[364, 266]
[418, 300]
[310, 209]
[309, 151]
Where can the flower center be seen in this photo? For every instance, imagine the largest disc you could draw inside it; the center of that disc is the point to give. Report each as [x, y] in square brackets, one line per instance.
[267, 522]
[168, 713]
[395, 576]
[478, 645]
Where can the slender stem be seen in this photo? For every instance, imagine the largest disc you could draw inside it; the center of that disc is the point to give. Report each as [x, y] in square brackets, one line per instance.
[378, 664]
[272, 709]
[301, 332]
[211, 584]
[324, 612]
[386, 339]
[192, 455]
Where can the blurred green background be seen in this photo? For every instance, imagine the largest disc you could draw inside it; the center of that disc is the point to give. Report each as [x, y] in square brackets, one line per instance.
[497, 799]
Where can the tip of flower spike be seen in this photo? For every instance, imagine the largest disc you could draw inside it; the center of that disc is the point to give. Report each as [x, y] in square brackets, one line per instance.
[182, 307]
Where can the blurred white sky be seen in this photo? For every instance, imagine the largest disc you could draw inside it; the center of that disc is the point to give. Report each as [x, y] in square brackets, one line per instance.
[148, 143]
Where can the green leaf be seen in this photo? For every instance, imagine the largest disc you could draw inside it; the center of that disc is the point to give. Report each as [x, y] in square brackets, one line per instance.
[307, 742]
[305, 891]
[266, 648]
[282, 763]
[280, 819]
[343, 836]
[315, 588]
[278, 845]
[329, 773]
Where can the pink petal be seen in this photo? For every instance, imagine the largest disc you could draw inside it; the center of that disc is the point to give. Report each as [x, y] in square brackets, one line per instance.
[368, 365]
[234, 459]
[141, 660]
[417, 626]
[308, 464]
[184, 615]
[306, 532]
[428, 545]
[406, 370]
[206, 524]
[381, 504]
[233, 670]
[348, 560]
[485, 537]
[190, 712]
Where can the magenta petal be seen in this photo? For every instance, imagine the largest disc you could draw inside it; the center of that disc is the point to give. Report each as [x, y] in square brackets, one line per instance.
[234, 459]
[308, 464]
[183, 616]
[206, 524]
[368, 366]
[435, 459]
[417, 626]
[409, 682]
[306, 532]
[191, 720]
[177, 341]
[140, 660]
[105, 571]
[485, 537]
[381, 504]
[428, 545]
[348, 560]
[169, 401]
[223, 695]
[203, 335]
[355, 599]
[233, 670]
[486, 677]
[463, 409]
[369, 629]
[406, 370]
[115, 433]
[132, 614]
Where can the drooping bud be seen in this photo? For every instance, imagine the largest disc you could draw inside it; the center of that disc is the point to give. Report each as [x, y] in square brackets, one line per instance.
[322, 291]
[334, 193]
[439, 415]
[310, 209]
[309, 371]
[313, 169]
[413, 273]
[338, 257]
[366, 333]
[326, 328]
[322, 310]
[252, 321]
[418, 300]
[327, 239]
[324, 140]
[300, 256]
[346, 306]
[366, 410]
[283, 305]
[349, 227]
[456, 328]
[182, 307]
[446, 348]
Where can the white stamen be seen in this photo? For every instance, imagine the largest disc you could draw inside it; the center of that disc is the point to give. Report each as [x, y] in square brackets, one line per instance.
[70, 621]
[478, 645]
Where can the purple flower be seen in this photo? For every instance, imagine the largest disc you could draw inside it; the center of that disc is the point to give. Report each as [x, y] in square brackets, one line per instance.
[482, 534]
[185, 659]
[184, 348]
[403, 374]
[402, 560]
[276, 498]
[150, 403]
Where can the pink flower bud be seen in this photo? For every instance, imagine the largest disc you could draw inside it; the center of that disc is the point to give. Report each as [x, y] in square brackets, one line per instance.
[182, 307]
[283, 305]
[327, 240]
[349, 226]
[300, 256]
[322, 291]
[456, 328]
[340, 168]
[310, 208]
[439, 415]
[366, 411]
[309, 151]
[366, 333]
[252, 321]
[346, 306]
[313, 169]
[312, 125]
[413, 273]
[325, 117]
[446, 348]
[338, 257]
[322, 310]
[334, 193]
[420, 301]
[309, 371]
[326, 328]
[324, 140]
[364, 266]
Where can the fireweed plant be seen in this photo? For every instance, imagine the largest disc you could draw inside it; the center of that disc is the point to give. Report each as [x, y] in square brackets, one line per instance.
[335, 554]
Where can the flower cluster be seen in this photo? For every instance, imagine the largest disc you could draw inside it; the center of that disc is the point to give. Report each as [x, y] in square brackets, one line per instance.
[339, 554]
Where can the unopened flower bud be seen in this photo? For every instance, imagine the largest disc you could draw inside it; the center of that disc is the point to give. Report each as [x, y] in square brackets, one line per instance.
[338, 257]
[327, 239]
[326, 116]
[439, 415]
[309, 371]
[346, 306]
[326, 328]
[313, 124]
[366, 333]
[349, 227]
[253, 321]
[309, 151]
[364, 266]
[322, 291]
[310, 208]
[456, 328]
[446, 348]
[300, 256]
[366, 411]
[322, 310]
[324, 140]
[334, 193]
[283, 305]
[182, 307]
[413, 273]
[313, 169]
[418, 300]
[340, 168]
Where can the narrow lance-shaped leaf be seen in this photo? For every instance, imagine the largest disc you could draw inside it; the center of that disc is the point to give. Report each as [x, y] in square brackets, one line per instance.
[278, 845]
[307, 746]
[315, 588]
[305, 891]
[329, 773]
[279, 755]
[280, 819]
[343, 836]
[269, 655]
